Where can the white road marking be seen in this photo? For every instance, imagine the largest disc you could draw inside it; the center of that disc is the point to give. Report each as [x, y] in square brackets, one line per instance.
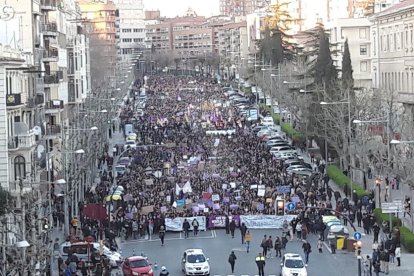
[166, 239]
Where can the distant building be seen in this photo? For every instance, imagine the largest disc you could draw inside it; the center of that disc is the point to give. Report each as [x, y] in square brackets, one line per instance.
[356, 30]
[99, 19]
[130, 28]
[241, 7]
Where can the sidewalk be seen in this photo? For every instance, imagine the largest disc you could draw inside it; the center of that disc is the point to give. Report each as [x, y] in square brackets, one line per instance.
[407, 267]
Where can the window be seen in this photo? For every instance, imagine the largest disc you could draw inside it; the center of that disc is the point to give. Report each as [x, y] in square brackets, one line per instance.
[126, 30]
[364, 66]
[127, 40]
[363, 50]
[138, 40]
[19, 168]
[362, 33]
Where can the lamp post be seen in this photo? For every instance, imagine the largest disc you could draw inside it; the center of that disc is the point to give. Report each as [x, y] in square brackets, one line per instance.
[348, 103]
[378, 185]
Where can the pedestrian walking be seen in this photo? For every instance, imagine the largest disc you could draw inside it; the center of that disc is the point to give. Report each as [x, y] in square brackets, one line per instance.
[376, 229]
[227, 225]
[260, 262]
[243, 229]
[320, 245]
[232, 228]
[195, 226]
[299, 231]
[186, 228]
[248, 239]
[162, 234]
[398, 254]
[307, 249]
[232, 261]
[263, 245]
[278, 247]
[269, 245]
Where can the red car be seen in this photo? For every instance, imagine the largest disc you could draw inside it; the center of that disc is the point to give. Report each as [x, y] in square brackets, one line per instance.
[137, 266]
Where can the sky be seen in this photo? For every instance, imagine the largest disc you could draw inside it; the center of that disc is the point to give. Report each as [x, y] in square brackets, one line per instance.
[171, 8]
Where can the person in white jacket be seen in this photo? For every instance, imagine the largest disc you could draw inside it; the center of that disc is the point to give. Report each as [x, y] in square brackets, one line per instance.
[398, 255]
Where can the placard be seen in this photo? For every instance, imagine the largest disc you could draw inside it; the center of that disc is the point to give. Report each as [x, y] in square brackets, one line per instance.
[215, 197]
[261, 192]
[147, 209]
[149, 182]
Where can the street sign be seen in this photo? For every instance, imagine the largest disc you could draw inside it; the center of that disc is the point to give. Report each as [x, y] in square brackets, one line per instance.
[357, 236]
[392, 207]
[291, 206]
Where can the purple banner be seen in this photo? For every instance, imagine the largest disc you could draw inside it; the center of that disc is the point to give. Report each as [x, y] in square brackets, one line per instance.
[219, 221]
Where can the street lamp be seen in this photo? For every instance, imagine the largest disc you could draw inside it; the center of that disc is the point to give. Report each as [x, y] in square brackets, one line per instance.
[348, 102]
[378, 184]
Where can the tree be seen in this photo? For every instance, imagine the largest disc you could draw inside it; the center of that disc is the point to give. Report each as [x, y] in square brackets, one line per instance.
[347, 78]
[276, 45]
[325, 71]
[6, 200]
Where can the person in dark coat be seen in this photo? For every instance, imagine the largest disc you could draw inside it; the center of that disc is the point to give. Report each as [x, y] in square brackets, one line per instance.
[260, 262]
[186, 227]
[227, 225]
[232, 228]
[232, 261]
[243, 229]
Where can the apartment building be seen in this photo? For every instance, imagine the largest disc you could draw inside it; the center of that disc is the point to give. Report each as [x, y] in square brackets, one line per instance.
[356, 30]
[99, 19]
[233, 43]
[235, 8]
[187, 37]
[392, 52]
[130, 28]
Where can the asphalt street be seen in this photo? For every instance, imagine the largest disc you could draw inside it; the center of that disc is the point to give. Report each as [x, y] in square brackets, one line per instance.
[217, 246]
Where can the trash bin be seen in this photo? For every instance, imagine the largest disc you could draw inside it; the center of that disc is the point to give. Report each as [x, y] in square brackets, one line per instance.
[340, 242]
[350, 244]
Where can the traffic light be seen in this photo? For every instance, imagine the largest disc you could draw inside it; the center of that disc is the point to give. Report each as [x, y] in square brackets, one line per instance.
[358, 247]
[280, 207]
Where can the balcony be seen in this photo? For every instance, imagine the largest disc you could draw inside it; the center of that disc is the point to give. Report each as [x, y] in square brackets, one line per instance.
[51, 55]
[25, 141]
[48, 5]
[36, 100]
[53, 78]
[49, 29]
[52, 130]
[54, 104]
[13, 99]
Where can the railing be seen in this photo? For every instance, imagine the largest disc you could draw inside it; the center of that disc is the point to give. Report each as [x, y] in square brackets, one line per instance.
[51, 79]
[22, 141]
[49, 27]
[54, 104]
[49, 3]
[51, 53]
[53, 129]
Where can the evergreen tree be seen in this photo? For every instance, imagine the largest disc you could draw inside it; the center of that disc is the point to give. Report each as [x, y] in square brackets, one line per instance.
[347, 79]
[325, 71]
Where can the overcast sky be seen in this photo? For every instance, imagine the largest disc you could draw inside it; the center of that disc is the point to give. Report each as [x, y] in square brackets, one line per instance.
[171, 8]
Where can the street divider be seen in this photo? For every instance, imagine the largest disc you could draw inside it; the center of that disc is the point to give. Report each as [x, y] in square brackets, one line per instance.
[406, 236]
[291, 132]
[344, 182]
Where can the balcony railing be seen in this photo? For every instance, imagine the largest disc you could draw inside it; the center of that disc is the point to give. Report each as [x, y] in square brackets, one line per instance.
[49, 28]
[22, 141]
[51, 79]
[51, 53]
[54, 104]
[13, 99]
[48, 4]
[53, 129]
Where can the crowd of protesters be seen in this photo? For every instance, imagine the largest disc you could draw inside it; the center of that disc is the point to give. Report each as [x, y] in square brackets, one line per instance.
[181, 157]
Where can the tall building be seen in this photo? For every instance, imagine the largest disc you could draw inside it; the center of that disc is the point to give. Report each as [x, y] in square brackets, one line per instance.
[99, 19]
[392, 52]
[235, 8]
[356, 30]
[130, 28]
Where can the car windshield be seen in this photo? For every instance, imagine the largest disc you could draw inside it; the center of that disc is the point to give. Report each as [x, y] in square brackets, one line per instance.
[196, 259]
[138, 263]
[294, 263]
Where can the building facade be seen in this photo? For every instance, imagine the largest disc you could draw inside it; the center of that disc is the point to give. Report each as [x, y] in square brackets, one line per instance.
[235, 8]
[130, 28]
[356, 30]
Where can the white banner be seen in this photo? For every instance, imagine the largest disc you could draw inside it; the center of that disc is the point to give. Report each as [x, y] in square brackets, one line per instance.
[265, 221]
[176, 225]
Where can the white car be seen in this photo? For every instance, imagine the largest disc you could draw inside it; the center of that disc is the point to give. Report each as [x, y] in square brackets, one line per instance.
[194, 262]
[267, 121]
[130, 145]
[292, 264]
